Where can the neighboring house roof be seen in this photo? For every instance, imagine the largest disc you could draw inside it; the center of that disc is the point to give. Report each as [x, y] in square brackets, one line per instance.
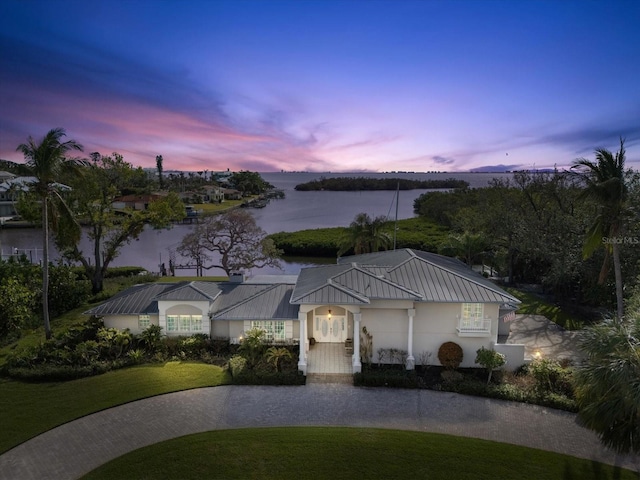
[6, 175]
[397, 275]
[23, 184]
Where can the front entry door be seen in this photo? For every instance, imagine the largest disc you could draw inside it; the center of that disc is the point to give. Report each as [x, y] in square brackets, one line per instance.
[329, 329]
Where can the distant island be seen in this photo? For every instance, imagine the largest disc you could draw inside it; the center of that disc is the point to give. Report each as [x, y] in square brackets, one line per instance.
[351, 184]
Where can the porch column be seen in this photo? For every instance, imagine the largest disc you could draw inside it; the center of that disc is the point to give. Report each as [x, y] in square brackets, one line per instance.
[302, 358]
[411, 361]
[357, 366]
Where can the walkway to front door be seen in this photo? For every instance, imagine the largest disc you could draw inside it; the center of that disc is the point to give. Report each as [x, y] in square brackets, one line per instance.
[329, 358]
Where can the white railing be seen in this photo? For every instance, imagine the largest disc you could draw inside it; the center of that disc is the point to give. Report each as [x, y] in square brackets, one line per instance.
[474, 326]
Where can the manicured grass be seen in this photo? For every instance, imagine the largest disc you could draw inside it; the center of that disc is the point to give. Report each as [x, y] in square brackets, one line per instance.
[35, 336]
[213, 208]
[534, 305]
[337, 453]
[28, 409]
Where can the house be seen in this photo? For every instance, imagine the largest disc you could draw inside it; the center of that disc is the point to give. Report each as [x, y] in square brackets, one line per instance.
[217, 309]
[213, 194]
[231, 194]
[406, 299]
[11, 188]
[136, 202]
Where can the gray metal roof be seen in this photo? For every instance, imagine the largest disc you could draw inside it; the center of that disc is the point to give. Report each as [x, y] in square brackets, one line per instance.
[399, 275]
[137, 300]
[255, 302]
[237, 301]
[191, 291]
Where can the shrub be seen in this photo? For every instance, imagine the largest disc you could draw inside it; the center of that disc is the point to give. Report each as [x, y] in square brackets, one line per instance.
[219, 346]
[136, 355]
[252, 346]
[275, 355]
[151, 338]
[551, 377]
[450, 355]
[237, 365]
[489, 359]
[387, 378]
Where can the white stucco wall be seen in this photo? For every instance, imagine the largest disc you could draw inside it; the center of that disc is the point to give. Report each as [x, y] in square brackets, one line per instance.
[126, 321]
[175, 307]
[433, 325]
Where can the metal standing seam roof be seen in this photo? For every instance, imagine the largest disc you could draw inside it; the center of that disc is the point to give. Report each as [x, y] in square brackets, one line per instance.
[254, 300]
[139, 299]
[260, 302]
[374, 287]
[191, 291]
[417, 275]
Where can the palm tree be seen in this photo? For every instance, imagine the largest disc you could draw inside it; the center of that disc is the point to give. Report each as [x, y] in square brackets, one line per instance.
[605, 182]
[275, 355]
[365, 235]
[46, 162]
[607, 382]
[469, 247]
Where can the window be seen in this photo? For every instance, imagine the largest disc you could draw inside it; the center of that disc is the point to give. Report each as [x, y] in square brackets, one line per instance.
[184, 323]
[472, 321]
[472, 312]
[144, 321]
[274, 330]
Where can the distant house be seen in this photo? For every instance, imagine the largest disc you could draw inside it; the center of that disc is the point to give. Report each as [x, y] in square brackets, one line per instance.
[408, 300]
[213, 194]
[232, 194]
[4, 176]
[12, 187]
[136, 202]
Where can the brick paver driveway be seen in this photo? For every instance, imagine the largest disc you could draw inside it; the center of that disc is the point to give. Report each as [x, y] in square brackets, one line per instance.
[73, 449]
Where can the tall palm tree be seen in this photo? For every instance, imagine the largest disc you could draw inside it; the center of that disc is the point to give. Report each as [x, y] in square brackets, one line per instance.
[605, 182]
[46, 162]
[365, 235]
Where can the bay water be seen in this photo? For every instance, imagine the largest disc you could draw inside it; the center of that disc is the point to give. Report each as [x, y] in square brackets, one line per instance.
[297, 211]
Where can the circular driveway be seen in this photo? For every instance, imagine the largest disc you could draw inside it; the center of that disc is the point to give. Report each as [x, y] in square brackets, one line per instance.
[75, 448]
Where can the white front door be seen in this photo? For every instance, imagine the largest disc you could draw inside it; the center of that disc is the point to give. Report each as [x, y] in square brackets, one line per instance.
[329, 329]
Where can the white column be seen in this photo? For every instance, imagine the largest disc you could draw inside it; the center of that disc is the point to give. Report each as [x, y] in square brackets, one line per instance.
[357, 366]
[302, 359]
[411, 361]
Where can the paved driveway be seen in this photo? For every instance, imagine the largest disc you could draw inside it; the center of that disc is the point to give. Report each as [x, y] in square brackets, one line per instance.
[539, 335]
[73, 449]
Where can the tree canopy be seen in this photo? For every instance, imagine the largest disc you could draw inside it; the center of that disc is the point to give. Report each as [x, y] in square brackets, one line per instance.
[230, 241]
[109, 229]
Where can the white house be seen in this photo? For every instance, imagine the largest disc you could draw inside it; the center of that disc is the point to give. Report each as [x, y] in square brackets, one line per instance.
[407, 300]
[11, 187]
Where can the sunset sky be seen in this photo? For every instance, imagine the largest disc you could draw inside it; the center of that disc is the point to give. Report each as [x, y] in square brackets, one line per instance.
[324, 85]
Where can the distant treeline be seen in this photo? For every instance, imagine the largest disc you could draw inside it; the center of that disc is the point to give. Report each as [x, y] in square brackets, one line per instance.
[346, 184]
[415, 233]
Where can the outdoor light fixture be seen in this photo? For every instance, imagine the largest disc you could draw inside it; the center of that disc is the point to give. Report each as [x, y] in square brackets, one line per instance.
[329, 313]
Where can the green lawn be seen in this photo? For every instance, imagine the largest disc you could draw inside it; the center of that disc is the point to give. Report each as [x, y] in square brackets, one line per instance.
[28, 409]
[337, 453]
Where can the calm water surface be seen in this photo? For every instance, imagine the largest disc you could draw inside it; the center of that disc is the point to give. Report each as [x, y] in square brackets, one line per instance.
[298, 211]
